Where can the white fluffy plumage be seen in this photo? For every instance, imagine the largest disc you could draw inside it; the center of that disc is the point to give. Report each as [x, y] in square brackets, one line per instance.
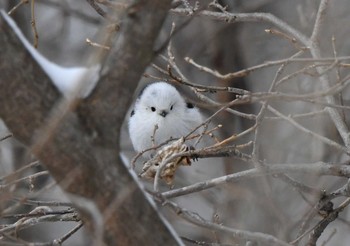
[162, 105]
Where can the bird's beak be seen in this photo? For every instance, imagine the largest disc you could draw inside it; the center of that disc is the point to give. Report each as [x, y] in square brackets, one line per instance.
[163, 113]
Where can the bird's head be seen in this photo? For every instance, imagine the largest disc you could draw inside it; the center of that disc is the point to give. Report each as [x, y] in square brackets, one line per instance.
[161, 100]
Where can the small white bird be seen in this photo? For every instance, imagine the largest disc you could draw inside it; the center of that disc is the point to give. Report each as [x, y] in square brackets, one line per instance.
[162, 107]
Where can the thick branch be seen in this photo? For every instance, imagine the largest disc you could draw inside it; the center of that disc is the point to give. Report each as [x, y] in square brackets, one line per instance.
[82, 167]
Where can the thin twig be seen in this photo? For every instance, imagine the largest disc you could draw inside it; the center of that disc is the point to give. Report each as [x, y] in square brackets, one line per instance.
[321, 226]
[6, 136]
[88, 41]
[247, 71]
[33, 221]
[302, 70]
[302, 128]
[234, 137]
[319, 20]
[32, 22]
[316, 53]
[42, 203]
[196, 219]
[30, 195]
[20, 170]
[38, 213]
[97, 8]
[113, 4]
[59, 241]
[300, 116]
[77, 13]
[27, 178]
[249, 17]
[213, 89]
[330, 91]
[22, 2]
[338, 75]
[285, 36]
[320, 168]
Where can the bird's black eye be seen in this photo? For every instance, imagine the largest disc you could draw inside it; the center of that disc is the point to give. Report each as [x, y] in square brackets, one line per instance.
[153, 109]
[190, 105]
[171, 107]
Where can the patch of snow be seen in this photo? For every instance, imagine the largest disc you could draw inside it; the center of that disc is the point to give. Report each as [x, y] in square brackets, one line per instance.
[80, 80]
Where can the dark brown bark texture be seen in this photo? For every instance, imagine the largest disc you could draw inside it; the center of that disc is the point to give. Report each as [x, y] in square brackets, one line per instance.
[87, 166]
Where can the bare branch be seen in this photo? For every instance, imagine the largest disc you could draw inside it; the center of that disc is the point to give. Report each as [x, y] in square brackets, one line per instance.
[320, 227]
[320, 168]
[239, 234]
[300, 127]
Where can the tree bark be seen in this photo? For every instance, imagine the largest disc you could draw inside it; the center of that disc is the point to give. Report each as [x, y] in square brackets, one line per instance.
[88, 165]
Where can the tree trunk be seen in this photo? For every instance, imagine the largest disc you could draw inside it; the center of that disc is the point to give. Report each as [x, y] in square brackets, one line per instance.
[88, 167]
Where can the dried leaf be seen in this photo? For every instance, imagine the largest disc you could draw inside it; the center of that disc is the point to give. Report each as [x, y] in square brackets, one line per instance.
[150, 168]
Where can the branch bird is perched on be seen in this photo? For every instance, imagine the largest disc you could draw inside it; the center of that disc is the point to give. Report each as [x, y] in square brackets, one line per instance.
[161, 111]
